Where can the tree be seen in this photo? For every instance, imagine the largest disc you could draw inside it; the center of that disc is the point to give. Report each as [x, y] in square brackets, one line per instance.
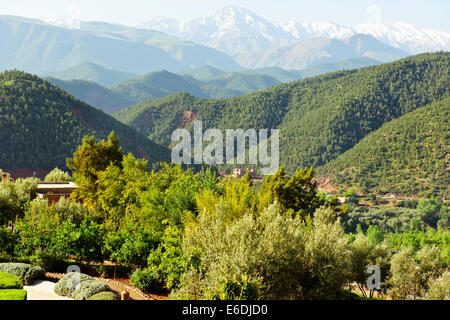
[90, 159]
[297, 194]
[57, 175]
[13, 197]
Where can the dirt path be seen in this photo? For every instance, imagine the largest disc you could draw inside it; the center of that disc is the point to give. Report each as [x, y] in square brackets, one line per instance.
[43, 290]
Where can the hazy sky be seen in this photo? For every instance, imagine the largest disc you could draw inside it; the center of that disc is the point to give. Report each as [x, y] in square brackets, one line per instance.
[423, 13]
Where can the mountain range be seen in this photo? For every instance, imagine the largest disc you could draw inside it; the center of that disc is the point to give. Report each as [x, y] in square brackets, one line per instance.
[38, 47]
[231, 40]
[319, 118]
[202, 82]
[235, 30]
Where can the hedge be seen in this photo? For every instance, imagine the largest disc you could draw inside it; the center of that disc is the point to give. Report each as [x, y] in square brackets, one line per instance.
[105, 295]
[80, 286]
[13, 294]
[26, 272]
[10, 281]
[88, 288]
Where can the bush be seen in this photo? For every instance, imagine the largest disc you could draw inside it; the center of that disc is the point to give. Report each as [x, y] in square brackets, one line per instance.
[26, 272]
[49, 260]
[147, 280]
[242, 289]
[105, 295]
[293, 259]
[67, 285]
[57, 175]
[439, 289]
[10, 281]
[79, 286]
[13, 295]
[88, 288]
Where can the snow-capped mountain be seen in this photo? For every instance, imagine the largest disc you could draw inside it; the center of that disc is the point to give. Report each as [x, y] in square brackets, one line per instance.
[399, 35]
[232, 29]
[235, 30]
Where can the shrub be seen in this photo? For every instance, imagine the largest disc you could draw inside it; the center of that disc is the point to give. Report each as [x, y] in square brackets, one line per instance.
[14, 294]
[67, 285]
[105, 295]
[10, 281]
[439, 289]
[242, 289]
[79, 286]
[293, 259]
[57, 175]
[88, 288]
[26, 272]
[147, 280]
[49, 260]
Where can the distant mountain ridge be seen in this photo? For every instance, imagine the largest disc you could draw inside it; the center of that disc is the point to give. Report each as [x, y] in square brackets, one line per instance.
[203, 82]
[313, 52]
[94, 72]
[38, 47]
[235, 29]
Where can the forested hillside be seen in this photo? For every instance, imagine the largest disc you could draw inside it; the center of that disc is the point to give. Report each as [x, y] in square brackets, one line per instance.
[320, 118]
[93, 94]
[408, 155]
[41, 125]
[93, 72]
[163, 83]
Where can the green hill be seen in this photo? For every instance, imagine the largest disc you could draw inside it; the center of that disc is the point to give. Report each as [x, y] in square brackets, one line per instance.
[41, 125]
[347, 64]
[320, 118]
[163, 83]
[93, 94]
[95, 73]
[242, 82]
[408, 155]
[202, 73]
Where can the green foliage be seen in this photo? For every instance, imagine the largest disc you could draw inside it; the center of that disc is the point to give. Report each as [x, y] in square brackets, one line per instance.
[242, 289]
[168, 261]
[285, 256]
[416, 240]
[8, 242]
[405, 156]
[297, 194]
[147, 280]
[89, 288]
[387, 219]
[365, 253]
[320, 118]
[57, 175]
[10, 281]
[26, 272]
[13, 295]
[91, 158]
[439, 289]
[68, 284]
[411, 274]
[105, 296]
[14, 196]
[83, 242]
[40, 119]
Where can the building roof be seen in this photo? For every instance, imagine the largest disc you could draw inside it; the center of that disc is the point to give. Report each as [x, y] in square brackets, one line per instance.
[60, 187]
